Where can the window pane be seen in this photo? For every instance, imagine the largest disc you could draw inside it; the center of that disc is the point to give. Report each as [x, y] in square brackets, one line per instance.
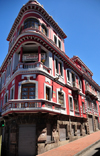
[71, 104]
[47, 93]
[61, 73]
[56, 63]
[76, 105]
[24, 97]
[24, 93]
[68, 75]
[31, 93]
[24, 89]
[55, 39]
[61, 98]
[59, 44]
[83, 107]
[31, 89]
[31, 97]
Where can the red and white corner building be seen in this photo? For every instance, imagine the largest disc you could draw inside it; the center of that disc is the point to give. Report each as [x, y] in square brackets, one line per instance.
[45, 96]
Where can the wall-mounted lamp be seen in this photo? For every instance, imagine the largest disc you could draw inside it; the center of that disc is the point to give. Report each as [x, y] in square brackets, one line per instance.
[57, 78]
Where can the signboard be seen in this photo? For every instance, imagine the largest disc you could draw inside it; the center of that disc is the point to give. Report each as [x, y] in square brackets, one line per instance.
[33, 57]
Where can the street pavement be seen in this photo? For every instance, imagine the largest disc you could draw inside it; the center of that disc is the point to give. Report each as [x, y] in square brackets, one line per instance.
[93, 151]
[72, 148]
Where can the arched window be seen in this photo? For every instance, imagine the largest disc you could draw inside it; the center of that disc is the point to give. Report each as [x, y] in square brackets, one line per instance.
[44, 30]
[31, 22]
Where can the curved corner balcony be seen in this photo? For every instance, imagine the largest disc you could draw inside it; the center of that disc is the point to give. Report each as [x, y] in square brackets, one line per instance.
[32, 66]
[32, 106]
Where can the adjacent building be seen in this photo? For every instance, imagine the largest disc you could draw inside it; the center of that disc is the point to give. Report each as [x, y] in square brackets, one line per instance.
[45, 96]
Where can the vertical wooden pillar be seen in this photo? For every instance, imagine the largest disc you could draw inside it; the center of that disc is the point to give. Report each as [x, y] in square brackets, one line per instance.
[21, 54]
[39, 54]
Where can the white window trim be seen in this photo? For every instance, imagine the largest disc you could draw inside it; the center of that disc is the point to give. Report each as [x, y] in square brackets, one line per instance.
[13, 87]
[58, 90]
[70, 74]
[58, 39]
[72, 110]
[25, 82]
[57, 74]
[46, 85]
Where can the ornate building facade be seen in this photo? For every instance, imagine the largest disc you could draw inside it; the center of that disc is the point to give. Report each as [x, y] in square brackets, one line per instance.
[45, 96]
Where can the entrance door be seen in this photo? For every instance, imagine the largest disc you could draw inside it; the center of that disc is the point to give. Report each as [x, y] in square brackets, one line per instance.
[28, 91]
[27, 140]
[73, 130]
[96, 122]
[78, 130]
[62, 132]
[90, 123]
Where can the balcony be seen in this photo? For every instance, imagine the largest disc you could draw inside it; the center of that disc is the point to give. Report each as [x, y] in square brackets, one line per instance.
[75, 86]
[32, 66]
[32, 106]
[91, 92]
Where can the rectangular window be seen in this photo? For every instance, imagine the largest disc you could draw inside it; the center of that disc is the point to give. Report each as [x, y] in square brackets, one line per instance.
[76, 105]
[59, 44]
[28, 91]
[71, 103]
[12, 94]
[56, 64]
[73, 80]
[80, 84]
[61, 73]
[83, 107]
[61, 98]
[6, 98]
[68, 75]
[55, 40]
[47, 93]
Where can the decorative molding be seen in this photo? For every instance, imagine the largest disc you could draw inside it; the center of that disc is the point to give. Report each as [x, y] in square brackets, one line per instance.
[47, 80]
[28, 76]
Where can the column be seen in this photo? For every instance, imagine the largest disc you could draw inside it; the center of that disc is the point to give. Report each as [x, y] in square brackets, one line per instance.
[80, 105]
[39, 53]
[21, 54]
[83, 85]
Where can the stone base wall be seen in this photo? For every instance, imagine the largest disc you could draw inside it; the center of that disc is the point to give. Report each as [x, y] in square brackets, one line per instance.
[11, 136]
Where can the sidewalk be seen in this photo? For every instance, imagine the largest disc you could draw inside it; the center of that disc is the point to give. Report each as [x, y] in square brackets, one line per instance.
[74, 147]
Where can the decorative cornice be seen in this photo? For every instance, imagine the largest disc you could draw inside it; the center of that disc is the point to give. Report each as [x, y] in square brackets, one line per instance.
[42, 11]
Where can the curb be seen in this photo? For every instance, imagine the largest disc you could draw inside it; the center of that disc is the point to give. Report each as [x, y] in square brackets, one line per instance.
[87, 148]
